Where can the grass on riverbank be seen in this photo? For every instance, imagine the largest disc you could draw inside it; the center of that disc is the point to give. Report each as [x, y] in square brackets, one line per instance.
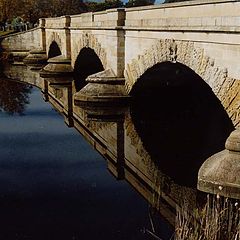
[5, 33]
[218, 220]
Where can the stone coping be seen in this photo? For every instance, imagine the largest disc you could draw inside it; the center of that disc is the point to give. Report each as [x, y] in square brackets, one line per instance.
[227, 29]
[178, 4]
[20, 33]
[59, 59]
[150, 7]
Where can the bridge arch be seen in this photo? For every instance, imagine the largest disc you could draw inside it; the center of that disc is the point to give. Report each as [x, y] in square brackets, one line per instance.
[54, 50]
[172, 107]
[88, 40]
[87, 63]
[54, 40]
[226, 89]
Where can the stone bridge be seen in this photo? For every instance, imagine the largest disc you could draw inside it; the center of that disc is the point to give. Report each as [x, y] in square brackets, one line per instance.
[124, 44]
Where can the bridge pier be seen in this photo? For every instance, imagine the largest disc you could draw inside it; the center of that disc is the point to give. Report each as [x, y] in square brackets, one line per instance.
[57, 67]
[67, 101]
[36, 58]
[103, 88]
[103, 114]
[45, 91]
[220, 173]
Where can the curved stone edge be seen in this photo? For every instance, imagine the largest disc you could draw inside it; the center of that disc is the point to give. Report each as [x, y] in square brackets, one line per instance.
[57, 67]
[226, 89]
[219, 174]
[103, 88]
[36, 57]
[108, 94]
[105, 77]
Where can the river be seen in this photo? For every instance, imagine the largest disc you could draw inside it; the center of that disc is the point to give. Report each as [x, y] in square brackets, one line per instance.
[118, 173]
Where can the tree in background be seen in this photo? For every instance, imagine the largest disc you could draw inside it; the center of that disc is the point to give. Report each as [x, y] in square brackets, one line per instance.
[100, 6]
[7, 9]
[137, 3]
[14, 96]
[32, 10]
[67, 7]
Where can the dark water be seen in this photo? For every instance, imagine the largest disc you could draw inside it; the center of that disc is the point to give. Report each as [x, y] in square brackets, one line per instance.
[53, 185]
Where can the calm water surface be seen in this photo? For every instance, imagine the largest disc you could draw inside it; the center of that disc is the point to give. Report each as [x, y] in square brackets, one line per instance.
[53, 185]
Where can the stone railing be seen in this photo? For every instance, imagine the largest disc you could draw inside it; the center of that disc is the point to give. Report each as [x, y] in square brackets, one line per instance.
[58, 22]
[195, 15]
[214, 15]
[82, 20]
[106, 19]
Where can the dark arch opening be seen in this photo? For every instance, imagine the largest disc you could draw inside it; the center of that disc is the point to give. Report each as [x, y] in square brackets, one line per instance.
[54, 50]
[179, 119]
[87, 63]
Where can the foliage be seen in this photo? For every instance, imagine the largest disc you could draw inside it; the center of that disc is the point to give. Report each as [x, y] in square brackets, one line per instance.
[32, 10]
[100, 6]
[137, 3]
[7, 9]
[13, 95]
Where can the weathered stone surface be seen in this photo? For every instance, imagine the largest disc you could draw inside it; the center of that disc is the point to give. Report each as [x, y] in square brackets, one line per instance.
[57, 67]
[36, 57]
[185, 52]
[59, 81]
[23, 41]
[220, 173]
[87, 39]
[102, 89]
[203, 35]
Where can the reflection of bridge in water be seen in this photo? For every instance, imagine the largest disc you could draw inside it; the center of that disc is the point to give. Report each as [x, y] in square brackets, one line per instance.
[193, 46]
[113, 134]
[138, 147]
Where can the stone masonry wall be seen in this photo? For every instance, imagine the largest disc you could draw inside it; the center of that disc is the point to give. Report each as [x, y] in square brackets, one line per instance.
[23, 41]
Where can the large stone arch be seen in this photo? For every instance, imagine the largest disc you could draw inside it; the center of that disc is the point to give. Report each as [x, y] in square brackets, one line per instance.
[86, 64]
[88, 40]
[226, 88]
[54, 37]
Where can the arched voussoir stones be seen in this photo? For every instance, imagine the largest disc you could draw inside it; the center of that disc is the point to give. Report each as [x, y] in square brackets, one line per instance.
[88, 40]
[227, 89]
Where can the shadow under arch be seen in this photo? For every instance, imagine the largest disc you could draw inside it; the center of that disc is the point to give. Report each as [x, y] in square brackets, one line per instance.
[54, 50]
[179, 119]
[87, 63]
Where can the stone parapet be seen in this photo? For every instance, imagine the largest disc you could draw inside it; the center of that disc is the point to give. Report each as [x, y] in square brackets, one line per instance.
[22, 41]
[58, 22]
[111, 18]
[82, 20]
[187, 16]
